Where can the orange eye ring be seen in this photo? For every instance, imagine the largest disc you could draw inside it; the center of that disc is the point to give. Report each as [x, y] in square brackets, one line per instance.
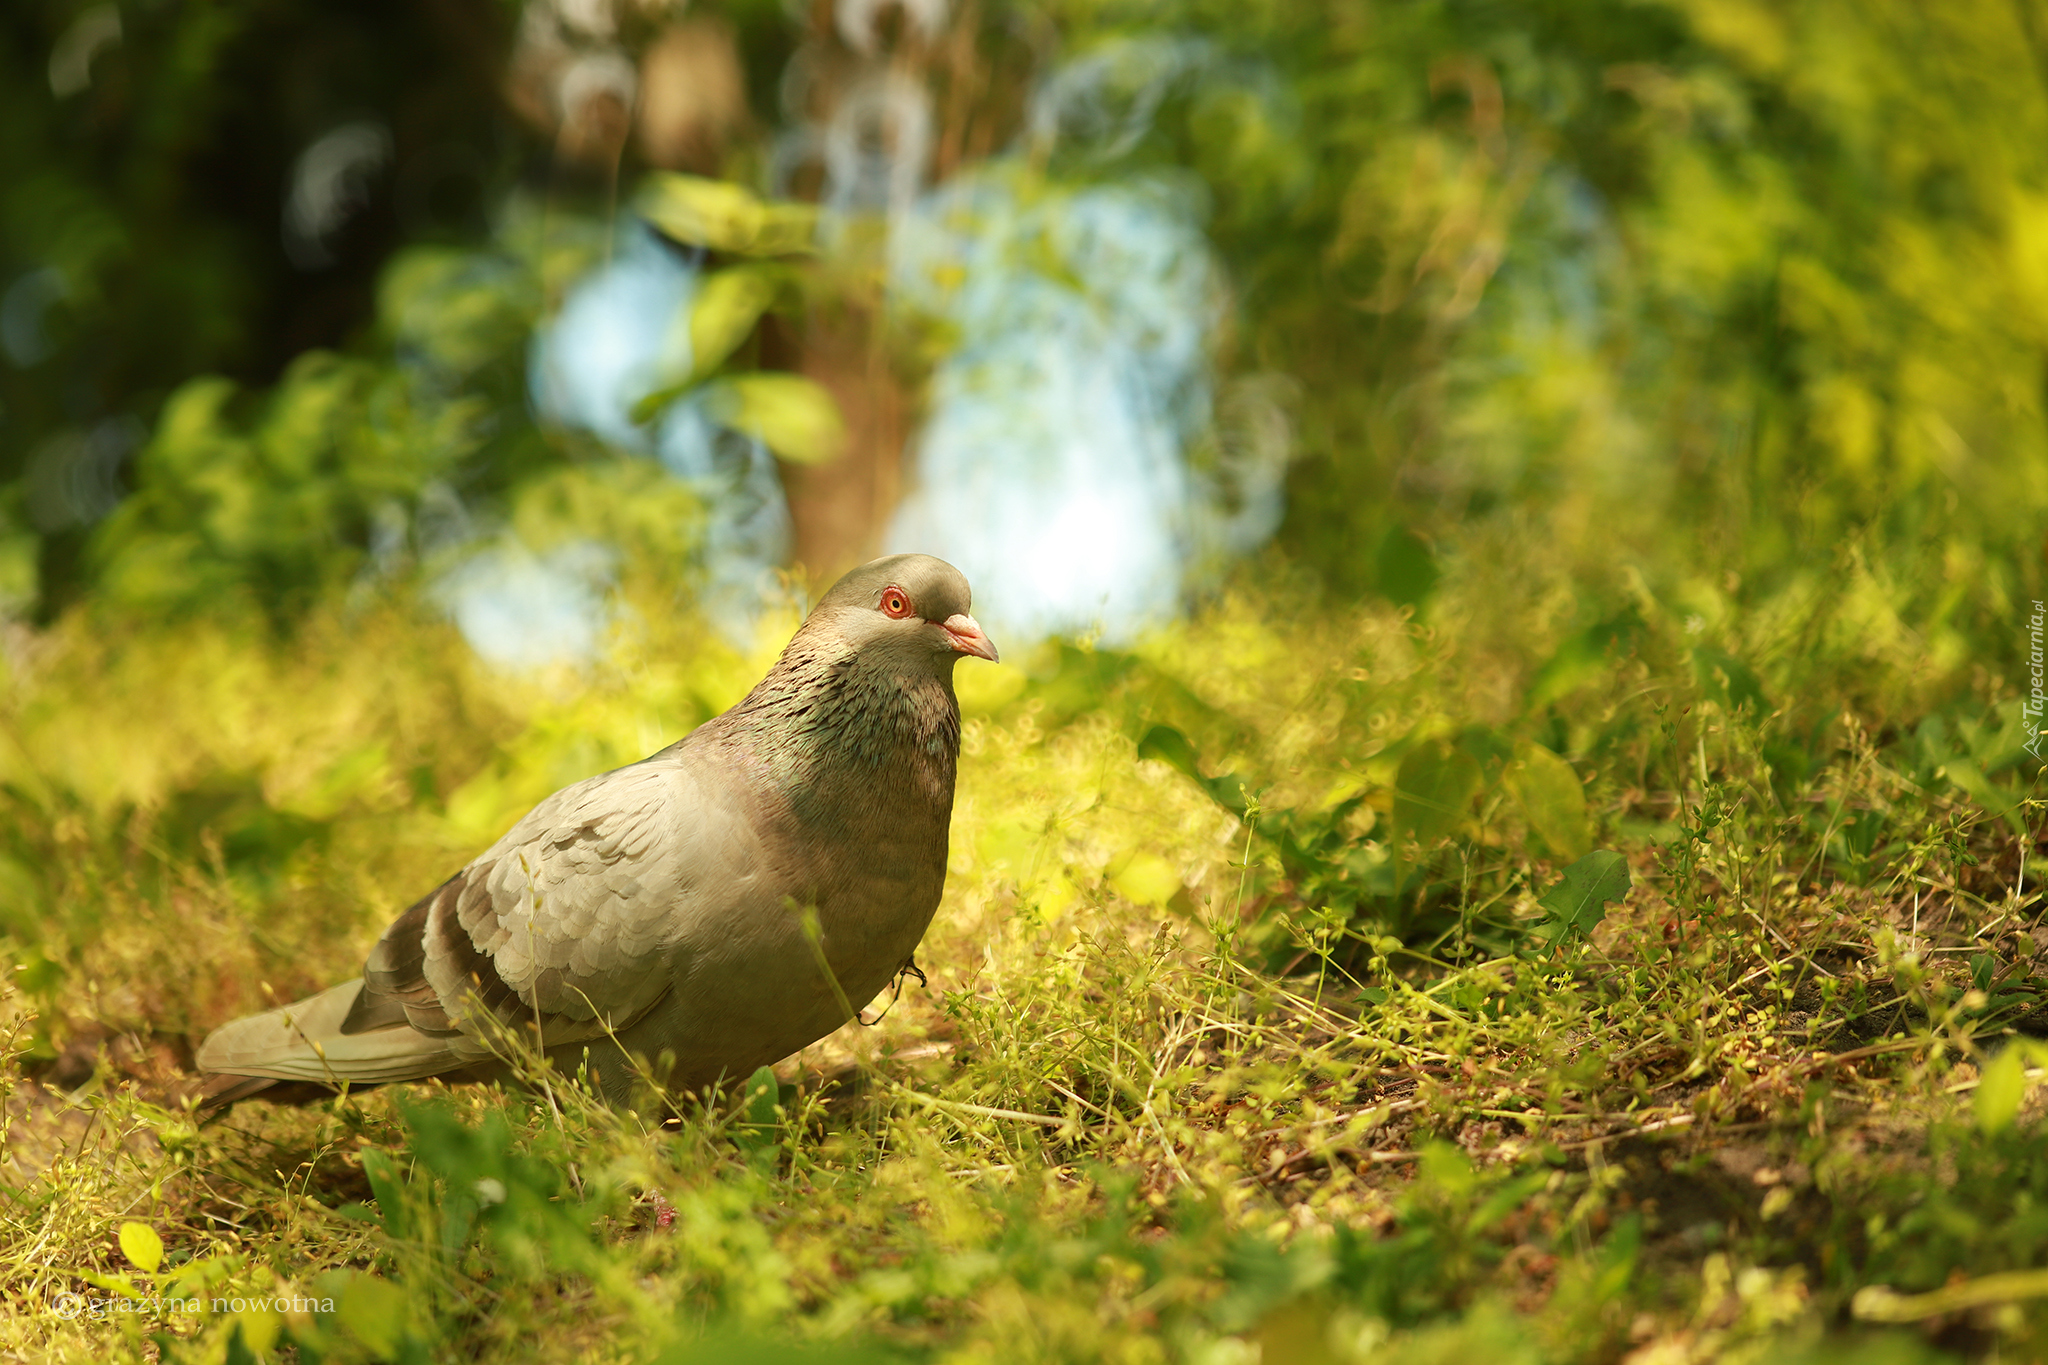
[895, 603]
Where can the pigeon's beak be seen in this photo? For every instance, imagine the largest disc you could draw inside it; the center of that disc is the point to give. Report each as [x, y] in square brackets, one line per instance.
[966, 635]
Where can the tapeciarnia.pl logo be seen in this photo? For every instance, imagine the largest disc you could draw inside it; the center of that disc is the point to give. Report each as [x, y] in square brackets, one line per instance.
[2037, 670]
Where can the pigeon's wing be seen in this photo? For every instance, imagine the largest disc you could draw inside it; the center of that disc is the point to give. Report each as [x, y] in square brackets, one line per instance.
[572, 922]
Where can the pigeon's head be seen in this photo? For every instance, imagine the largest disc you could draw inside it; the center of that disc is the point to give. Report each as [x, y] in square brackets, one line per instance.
[912, 607]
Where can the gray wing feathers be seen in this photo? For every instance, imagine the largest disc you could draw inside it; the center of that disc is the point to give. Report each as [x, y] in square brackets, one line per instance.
[304, 1042]
[574, 921]
[577, 907]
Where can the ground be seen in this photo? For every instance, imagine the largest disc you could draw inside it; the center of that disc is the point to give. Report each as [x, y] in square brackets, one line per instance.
[1316, 981]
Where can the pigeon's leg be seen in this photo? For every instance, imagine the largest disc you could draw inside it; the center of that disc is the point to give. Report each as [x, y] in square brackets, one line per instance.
[909, 968]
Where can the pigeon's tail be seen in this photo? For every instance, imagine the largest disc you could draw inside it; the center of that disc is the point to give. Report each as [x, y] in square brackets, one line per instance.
[303, 1043]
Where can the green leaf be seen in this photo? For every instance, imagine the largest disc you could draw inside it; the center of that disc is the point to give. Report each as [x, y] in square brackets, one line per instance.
[1995, 800]
[1579, 902]
[793, 416]
[19, 568]
[650, 405]
[1431, 791]
[116, 1284]
[724, 217]
[37, 973]
[257, 1330]
[1552, 799]
[1510, 1196]
[723, 314]
[2000, 1089]
[373, 1310]
[143, 1248]
[1171, 747]
[762, 1092]
[1405, 568]
[1146, 879]
[1727, 679]
[756, 1129]
[387, 1187]
[1492, 750]
[1449, 1169]
[1615, 1265]
[1583, 657]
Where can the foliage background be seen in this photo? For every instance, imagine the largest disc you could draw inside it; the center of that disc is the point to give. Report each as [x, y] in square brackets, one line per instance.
[1667, 398]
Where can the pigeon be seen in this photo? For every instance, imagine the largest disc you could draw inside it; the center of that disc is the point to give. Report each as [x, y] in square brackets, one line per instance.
[704, 912]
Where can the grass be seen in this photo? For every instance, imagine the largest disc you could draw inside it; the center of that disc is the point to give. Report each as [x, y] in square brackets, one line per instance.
[1255, 1028]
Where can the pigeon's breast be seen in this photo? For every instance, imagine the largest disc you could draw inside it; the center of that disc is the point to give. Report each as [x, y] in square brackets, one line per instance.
[857, 889]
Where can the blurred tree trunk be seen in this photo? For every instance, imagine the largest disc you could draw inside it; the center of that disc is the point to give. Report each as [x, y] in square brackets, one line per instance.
[839, 511]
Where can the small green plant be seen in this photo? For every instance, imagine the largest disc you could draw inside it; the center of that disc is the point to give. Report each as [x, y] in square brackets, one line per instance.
[1578, 903]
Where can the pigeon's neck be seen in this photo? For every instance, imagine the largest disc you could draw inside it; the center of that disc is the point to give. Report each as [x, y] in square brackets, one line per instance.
[828, 730]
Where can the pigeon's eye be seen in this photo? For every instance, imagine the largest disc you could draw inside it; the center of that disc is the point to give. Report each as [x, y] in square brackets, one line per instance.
[895, 603]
